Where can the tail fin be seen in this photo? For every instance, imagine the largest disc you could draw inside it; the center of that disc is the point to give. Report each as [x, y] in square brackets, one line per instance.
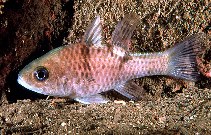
[182, 58]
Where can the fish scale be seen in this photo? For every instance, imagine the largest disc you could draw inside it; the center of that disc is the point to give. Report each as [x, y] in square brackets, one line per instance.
[82, 71]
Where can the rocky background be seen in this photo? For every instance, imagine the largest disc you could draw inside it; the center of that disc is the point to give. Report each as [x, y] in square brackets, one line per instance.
[29, 29]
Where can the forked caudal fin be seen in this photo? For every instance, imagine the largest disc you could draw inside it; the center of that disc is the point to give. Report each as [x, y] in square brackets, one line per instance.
[182, 58]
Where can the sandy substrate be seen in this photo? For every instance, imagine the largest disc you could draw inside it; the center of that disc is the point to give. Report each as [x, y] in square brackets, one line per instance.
[186, 113]
[28, 29]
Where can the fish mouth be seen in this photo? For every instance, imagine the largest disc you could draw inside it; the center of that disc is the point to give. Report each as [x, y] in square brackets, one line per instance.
[26, 85]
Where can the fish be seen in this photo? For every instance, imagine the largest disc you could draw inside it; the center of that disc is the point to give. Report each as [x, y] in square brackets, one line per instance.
[84, 70]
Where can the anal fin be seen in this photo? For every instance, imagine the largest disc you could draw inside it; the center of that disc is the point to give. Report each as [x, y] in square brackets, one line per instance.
[97, 98]
[131, 90]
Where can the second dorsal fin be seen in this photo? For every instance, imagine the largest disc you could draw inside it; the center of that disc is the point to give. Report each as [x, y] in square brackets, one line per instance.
[124, 30]
[93, 34]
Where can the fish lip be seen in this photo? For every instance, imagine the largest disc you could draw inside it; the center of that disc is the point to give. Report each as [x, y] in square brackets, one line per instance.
[26, 85]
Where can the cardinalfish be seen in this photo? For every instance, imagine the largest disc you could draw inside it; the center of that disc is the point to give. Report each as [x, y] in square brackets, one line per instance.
[82, 71]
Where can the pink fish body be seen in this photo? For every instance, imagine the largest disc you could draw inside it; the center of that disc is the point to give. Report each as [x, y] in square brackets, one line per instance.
[83, 70]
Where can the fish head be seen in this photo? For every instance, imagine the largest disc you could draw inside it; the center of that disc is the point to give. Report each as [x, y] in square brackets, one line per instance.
[45, 75]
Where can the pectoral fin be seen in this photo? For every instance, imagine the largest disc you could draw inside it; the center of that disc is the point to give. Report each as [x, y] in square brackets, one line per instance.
[131, 90]
[92, 99]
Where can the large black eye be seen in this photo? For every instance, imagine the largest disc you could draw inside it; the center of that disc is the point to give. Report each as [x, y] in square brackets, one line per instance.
[41, 73]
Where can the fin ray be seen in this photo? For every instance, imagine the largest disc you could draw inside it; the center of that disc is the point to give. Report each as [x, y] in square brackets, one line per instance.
[131, 90]
[93, 34]
[183, 58]
[97, 98]
[124, 30]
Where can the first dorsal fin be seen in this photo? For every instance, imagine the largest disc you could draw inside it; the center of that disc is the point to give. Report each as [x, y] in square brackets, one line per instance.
[93, 34]
[124, 30]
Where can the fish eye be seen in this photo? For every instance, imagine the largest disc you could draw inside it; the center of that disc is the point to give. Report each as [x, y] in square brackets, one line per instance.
[41, 73]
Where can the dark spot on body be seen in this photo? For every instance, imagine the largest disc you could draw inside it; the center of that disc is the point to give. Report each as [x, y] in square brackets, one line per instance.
[84, 65]
[76, 74]
[103, 66]
[106, 79]
[139, 62]
[113, 74]
[149, 72]
[76, 51]
[112, 54]
[78, 81]
[121, 63]
[120, 59]
[123, 60]
[82, 50]
[90, 79]
[127, 58]
[86, 75]
[82, 74]
[79, 67]
[88, 66]
[98, 50]
[86, 51]
[65, 84]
